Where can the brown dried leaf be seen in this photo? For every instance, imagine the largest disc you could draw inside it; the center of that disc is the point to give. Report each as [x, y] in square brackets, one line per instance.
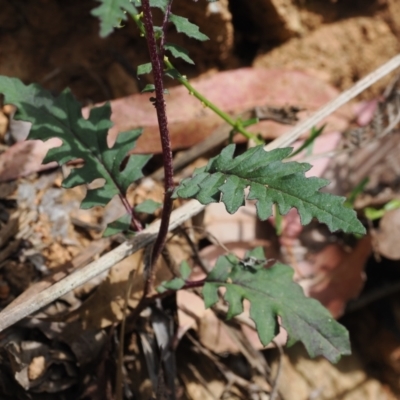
[190, 122]
[388, 235]
[24, 158]
[302, 378]
[338, 275]
[107, 303]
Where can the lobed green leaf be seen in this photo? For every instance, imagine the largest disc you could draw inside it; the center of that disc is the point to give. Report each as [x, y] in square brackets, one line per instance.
[112, 12]
[178, 52]
[178, 282]
[148, 206]
[144, 69]
[122, 224]
[271, 181]
[183, 25]
[272, 294]
[161, 4]
[81, 138]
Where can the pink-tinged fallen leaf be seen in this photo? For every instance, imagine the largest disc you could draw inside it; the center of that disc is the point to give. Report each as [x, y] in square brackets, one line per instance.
[24, 158]
[338, 275]
[234, 92]
[320, 156]
[327, 272]
[387, 236]
[365, 111]
[241, 226]
[189, 121]
[291, 228]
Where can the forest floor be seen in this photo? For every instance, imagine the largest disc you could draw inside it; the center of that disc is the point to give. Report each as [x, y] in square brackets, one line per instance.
[289, 57]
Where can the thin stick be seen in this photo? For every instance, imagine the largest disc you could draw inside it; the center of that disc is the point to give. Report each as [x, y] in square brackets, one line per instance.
[274, 390]
[288, 138]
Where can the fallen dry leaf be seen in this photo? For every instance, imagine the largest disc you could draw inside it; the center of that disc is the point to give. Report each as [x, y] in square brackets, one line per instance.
[387, 236]
[189, 121]
[36, 368]
[107, 303]
[211, 331]
[338, 275]
[24, 158]
[304, 379]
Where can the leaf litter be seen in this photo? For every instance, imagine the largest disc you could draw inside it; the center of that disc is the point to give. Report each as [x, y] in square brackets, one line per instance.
[85, 314]
[41, 213]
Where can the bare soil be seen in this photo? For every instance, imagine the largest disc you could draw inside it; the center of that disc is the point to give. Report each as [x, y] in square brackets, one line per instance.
[56, 43]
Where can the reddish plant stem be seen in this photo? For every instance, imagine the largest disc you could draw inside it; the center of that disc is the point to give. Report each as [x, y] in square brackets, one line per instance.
[165, 139]
[146, 301]
[135, 223]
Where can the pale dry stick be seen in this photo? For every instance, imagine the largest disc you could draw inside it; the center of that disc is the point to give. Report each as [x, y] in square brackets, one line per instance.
[274, 390]
[12, 315]
[288, 138]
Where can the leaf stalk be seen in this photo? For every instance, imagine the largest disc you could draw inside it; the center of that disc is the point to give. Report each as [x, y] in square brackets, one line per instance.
[235, 124]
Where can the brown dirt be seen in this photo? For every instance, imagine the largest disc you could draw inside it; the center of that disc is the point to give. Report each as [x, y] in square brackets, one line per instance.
[340, 53]
[56, 43]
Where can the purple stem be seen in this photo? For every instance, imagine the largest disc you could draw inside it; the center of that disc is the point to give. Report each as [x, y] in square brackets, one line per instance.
[165, 139]
[135, 223]
[164, 31]
[146, 301]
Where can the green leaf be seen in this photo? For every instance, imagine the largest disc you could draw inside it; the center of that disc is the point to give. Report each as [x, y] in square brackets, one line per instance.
[81, 138]
[374, 213]
[183, 25]
[172, 73]
[185, 270]
[111, 13]
[176, 283]
[144, 69]
[120, 225]
[352, 196]
[272, 294]
[178, 52]
[271, 181]
[249, 122]
[315, 133]
[149, 88]
[161, 4]
[147, 206]
[173, 284]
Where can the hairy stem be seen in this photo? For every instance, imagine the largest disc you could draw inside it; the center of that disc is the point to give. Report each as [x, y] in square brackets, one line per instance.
[165, 139]
[135, 223]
